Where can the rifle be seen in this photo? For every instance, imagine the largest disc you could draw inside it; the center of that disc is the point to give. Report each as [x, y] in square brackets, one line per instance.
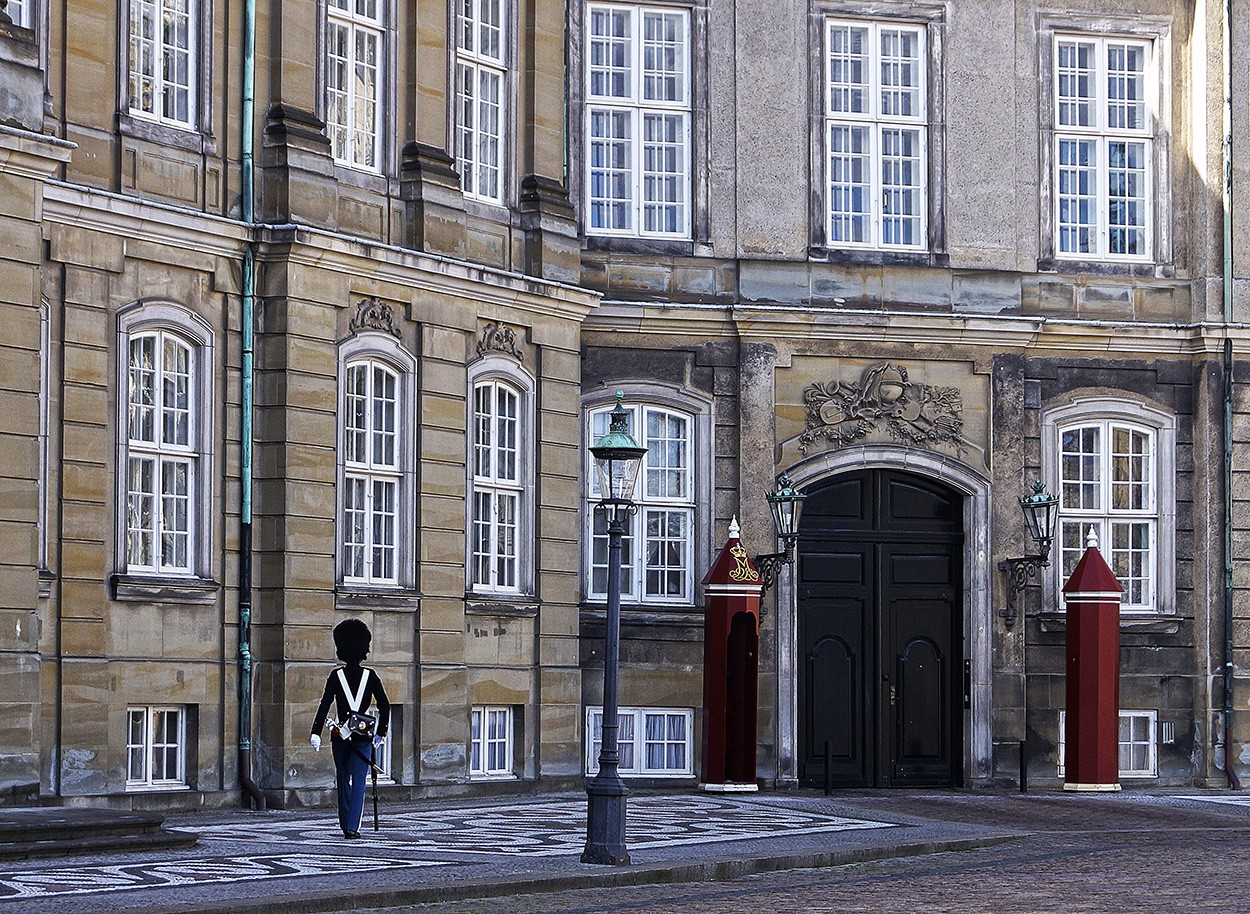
[373, 764]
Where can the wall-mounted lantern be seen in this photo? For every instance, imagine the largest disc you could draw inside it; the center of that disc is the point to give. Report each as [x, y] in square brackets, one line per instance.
[1041, 510]
[784, 504]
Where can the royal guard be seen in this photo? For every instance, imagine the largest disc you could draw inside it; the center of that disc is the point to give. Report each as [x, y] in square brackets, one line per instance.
[355, 735]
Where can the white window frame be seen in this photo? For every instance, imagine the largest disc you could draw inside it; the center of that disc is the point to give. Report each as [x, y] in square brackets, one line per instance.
[368, 350]
[171, 320]
[379, 468]
[353, 143]
[491, 743]
[146, 747]
[162, 88]
[634, 108]
[481, 153]
[493, 567]
[1100, 135]
[22, 12]
[876, 124]
[635, 570]
[633, 741]
[1149, 721]
[1106, 415]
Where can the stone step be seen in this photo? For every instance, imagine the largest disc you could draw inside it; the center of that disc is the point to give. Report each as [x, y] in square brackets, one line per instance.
[57, 831]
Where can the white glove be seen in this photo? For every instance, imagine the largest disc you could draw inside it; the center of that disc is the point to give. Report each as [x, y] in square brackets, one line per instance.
[316, 742]
[377, 742]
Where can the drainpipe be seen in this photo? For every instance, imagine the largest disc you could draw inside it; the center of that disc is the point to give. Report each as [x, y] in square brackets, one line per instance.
[245, 469]
[1230, 767]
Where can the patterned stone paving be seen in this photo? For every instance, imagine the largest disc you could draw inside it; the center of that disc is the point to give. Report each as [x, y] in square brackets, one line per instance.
[559, 828]
[65, 880]
[407, 839]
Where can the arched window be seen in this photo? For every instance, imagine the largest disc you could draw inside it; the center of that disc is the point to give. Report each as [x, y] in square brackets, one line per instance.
[497, 486]
[500, 513]
[657, 558]
[164, 450]
[376, 463]
[1115, 475]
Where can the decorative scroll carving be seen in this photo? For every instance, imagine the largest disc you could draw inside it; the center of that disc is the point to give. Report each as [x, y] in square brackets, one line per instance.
[500, 338]
[920, 415]
[372, 314]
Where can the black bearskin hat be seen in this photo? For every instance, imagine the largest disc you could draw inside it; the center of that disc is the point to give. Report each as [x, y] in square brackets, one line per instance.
[351, 640]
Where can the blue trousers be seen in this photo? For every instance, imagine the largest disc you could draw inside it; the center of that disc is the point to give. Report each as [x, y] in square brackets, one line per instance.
[352, 769]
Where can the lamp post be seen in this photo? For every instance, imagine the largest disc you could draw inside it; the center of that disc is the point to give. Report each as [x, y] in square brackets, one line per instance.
[1040, 512]
[617, 459]
[783, 504]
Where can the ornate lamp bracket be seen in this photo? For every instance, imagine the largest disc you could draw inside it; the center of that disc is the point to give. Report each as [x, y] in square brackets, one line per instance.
[1019, 573]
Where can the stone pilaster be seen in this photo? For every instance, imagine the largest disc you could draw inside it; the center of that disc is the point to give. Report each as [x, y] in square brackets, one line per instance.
[27, 159]
[434, 216]
[552, 250]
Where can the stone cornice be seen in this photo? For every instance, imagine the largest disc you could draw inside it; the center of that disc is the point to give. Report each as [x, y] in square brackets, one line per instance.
[792, 324]
[31, 155]
[429, 272]
[143, 220]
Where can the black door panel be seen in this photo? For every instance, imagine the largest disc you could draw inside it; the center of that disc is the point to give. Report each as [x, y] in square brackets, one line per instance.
[880, 629]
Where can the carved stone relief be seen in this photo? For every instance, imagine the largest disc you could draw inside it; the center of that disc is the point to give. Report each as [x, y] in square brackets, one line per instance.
[372, 314]
[883, 399]
[499, 338]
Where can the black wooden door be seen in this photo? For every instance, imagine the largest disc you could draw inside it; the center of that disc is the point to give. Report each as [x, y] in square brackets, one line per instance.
[880, 633]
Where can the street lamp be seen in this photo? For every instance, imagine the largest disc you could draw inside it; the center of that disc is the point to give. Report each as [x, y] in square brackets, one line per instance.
[783, 504]
[617, 460]
[1040, 512]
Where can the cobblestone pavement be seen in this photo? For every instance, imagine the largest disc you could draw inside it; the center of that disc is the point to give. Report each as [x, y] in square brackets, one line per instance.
[1085, 854]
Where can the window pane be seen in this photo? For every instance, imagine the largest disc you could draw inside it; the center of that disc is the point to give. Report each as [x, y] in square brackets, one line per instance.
[850, 183]
[901, 182]
[142, 421]
[1074, 75]
[664, 56]
[900, 73]
[848, 69]
[664, 173]
[1126, 86]
[610, 55]
[611, 175]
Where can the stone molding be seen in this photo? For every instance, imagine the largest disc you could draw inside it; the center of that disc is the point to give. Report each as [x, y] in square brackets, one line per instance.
[374, 314]
[499, 337]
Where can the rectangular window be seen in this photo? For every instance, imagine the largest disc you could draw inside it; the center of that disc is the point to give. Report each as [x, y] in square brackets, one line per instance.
[875, 135]
[1139, 757]
[1107, 484]
[481, 84]
[1103, 148]
[371, 474]
[497, 486]
[657, 554]
[354, 43]
[156, 747]
[162, 60]
[161, 456]
[638, 117]
[490, 742]
[652, 742]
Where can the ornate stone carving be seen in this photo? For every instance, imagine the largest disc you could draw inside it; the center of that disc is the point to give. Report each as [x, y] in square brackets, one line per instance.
[499, 338]
[372, 314]
[884, 398]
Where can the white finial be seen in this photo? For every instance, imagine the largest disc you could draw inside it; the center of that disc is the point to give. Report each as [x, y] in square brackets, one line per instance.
[1091, 541]
[734, 529]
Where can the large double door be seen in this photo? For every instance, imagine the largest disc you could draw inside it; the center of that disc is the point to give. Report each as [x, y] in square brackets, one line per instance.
[880, 596]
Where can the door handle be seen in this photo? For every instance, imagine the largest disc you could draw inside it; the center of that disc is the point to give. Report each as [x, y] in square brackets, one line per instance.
[893, 696]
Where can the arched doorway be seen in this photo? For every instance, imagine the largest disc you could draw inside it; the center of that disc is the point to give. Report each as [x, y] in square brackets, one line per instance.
[880, 631]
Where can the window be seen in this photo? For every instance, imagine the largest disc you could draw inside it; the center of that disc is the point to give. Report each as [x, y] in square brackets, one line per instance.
[875, 135]
[1107, 481]
[22, 13]
[638, 121]
[653, 742]
[497, 486]
[372, 473]
[1138, 744]
[354, 81]
[163, 60]
[490, 742]
[162, 463]
[658, 549]
[480, 97]
[1103, 147]
[155, 747]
